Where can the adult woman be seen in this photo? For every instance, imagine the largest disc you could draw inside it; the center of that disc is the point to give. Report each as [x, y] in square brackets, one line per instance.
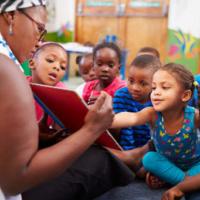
[22, 165]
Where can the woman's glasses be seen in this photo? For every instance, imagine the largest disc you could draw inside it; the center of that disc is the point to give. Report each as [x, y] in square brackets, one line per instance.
[41, 27]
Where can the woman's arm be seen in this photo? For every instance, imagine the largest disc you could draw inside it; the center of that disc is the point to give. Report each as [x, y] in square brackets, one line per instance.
[22, 165]
[126, 119]
[189, 185]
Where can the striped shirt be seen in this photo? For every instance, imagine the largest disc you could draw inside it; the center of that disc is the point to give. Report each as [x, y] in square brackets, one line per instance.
[134, 136]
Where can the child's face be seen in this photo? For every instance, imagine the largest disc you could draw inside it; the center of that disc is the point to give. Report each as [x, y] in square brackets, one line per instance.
[139, 83]
[49, 65]
[106, 65]
[167, 93]
[86, 69]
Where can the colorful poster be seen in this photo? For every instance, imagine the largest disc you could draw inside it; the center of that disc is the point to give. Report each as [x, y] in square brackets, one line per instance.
[184, 34]
[60, 23]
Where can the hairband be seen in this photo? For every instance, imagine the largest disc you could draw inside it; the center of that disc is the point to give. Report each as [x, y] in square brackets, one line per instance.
[12, 5]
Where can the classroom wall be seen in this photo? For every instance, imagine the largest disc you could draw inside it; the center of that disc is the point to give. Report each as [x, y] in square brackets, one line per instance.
[61, 20]
[148, 27]
[184, 34]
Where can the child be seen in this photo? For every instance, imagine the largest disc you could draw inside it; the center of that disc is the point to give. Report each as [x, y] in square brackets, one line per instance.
[149, 51]
[86, 70]
[173, 123]
[134, 98]
[107, 59]
[48, 66]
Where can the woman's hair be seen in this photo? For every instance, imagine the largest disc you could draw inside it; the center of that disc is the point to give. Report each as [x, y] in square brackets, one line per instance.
[181, 74]
[109, 45]
[149, 50]
[146, 62]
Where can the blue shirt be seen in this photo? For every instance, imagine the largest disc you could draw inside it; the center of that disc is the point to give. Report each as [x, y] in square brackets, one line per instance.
[135, 136]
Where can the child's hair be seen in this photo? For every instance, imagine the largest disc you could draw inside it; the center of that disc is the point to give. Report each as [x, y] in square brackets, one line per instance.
[45, 45]
[182, 75]
[150, 50]
[80, 57]
[146, 62]
[109, 45]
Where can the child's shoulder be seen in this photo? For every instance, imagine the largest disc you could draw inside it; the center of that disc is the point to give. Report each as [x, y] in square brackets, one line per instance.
[122, 91]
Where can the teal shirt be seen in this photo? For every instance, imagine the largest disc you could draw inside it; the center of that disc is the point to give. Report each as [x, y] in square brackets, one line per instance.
[181, 148]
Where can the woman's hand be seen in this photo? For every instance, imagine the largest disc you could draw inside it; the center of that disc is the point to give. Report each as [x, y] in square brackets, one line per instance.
[173, 194]
[100, 115]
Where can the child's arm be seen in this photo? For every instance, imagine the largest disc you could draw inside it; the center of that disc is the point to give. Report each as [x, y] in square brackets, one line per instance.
[126, 119]
[178, 191]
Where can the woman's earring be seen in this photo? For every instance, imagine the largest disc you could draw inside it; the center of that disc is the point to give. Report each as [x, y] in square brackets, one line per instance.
[10, 29]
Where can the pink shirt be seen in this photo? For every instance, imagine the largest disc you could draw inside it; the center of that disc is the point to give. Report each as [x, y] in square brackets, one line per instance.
[89, 89]
[39, 110]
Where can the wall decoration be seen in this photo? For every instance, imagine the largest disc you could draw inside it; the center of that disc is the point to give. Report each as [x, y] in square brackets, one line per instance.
[184, 34]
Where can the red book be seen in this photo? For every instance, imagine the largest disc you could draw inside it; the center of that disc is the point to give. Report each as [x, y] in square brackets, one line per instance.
[68, 110]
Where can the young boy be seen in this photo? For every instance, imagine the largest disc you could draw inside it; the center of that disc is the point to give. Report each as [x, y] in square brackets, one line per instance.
[134, 98]
[149, 51]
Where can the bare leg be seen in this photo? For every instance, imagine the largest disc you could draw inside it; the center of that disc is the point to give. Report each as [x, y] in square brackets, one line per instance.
[132, 158]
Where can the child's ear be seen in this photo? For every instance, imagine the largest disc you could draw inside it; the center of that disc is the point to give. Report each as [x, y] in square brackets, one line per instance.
[186, 96]
[31, 64]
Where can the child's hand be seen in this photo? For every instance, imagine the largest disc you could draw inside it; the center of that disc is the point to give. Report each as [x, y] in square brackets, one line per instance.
[173, 194]
[100, 115]
[91, 100]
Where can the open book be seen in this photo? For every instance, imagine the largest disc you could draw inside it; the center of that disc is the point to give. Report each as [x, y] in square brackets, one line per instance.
[68, 110]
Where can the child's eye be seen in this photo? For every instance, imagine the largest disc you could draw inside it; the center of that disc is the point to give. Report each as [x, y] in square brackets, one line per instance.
[131, 81]
[153, 88]
[111, 65]
[49, 60]
[99, 64]
[144, 83]
[63, 68]
[166, 87]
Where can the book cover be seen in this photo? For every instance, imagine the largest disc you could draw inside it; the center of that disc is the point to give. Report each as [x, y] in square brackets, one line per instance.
[68, 110]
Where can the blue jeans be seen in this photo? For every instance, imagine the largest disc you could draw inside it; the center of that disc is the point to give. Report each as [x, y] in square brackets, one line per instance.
[161, 167]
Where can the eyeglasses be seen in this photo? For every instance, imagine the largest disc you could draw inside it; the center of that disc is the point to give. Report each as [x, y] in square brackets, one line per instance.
[41, 27]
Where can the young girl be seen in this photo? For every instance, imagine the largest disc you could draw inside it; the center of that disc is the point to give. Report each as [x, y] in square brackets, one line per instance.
[173, 125]
[48, 66]
[86, 70]
[107, 59]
